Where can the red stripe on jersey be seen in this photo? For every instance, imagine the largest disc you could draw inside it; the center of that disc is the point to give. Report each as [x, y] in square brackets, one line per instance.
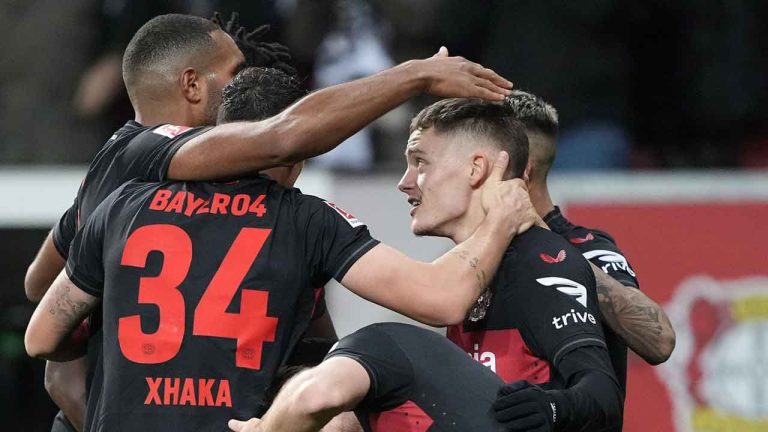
[408, 417]
[319, 293]
[504, 352]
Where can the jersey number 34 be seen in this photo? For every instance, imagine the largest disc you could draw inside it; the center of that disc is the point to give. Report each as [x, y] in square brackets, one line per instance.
[250, 327]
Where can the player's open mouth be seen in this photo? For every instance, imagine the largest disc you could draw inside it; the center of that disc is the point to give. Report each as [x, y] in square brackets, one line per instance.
[414, 202]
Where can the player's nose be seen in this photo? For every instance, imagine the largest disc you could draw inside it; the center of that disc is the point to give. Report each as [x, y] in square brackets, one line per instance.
[407, 182]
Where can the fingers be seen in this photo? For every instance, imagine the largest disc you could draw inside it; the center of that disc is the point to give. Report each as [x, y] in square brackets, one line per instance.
[442, 52]
[499, 168]
[483, 93]
[517, 413]
[489, 75]
[492, 86]
[236, 425]
[513, 387]
[535, 422]
[243, 426]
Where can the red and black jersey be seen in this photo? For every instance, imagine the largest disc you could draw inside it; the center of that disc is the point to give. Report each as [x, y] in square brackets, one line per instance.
[601, 249]
[206, 288]
[544, 305]
[420, 382]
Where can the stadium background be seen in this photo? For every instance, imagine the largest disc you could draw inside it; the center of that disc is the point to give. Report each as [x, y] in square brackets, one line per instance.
[664, 144]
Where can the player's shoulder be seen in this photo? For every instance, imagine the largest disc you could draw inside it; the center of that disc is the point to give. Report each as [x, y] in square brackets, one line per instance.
[540, 251]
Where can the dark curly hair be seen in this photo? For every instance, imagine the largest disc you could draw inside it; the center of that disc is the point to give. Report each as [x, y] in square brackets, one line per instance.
[257, 93]
[257, 53]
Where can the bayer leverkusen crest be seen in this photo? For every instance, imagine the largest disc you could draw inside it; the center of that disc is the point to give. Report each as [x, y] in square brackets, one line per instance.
[718, 374]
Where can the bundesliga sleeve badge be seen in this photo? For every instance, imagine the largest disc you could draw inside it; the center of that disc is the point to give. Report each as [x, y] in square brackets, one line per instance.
[349, 218]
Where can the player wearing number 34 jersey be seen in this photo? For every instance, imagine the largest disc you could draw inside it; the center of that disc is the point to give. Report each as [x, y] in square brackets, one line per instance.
[206, 287]
[169, 261]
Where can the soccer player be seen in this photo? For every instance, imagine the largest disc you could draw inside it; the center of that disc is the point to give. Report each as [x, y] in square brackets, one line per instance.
[538, 325]
[631, 317]
[396, 378]
[174, 69]
[206, 288]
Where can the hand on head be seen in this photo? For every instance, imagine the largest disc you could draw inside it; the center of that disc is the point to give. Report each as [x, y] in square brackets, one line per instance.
[458, 77]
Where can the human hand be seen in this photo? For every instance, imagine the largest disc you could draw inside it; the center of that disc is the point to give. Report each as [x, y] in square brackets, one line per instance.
[458, 77]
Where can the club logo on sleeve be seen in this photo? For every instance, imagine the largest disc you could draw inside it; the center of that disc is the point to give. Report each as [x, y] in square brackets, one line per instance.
[553, 260]
[610, 261]
[580, 240]
[351, 220]
[170, 131]
[567, 286]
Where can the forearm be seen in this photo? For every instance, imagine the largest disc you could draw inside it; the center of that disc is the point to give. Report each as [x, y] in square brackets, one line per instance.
[638, 320]
[462, 275]
[313, 126]
[65, 383]
[310, 400]
[592, 398]
[324, 119]
[593, 403]
[51, 331]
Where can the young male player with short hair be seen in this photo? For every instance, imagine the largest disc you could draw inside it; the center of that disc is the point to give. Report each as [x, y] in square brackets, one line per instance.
[538, 327]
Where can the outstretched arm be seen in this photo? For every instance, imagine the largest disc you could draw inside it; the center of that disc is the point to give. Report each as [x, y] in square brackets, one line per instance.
[321, 121]
[638, 320]
[312, 398]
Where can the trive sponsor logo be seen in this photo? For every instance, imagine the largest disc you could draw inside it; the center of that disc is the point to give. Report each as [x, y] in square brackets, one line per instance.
[487, 358]
[610, 261]
[573, 317]
[186, 203]
[188, 391]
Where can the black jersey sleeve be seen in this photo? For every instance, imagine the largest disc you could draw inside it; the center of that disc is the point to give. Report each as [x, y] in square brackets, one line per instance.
[85, 266]
[592, 398]
[153, 149]
[65, 229]
[603, 252]
[388, 367]
[597, 246]
[334, 239]
[555, 298]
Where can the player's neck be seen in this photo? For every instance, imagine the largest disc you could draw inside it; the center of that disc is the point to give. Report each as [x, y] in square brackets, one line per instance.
[540, 198]
[153, 115]
[463, 227]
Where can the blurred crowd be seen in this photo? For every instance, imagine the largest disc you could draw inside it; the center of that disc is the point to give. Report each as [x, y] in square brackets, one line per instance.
[638, 84]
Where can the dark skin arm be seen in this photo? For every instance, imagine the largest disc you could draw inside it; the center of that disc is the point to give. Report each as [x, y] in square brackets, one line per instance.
[638, 320]
[65, 383]
[324, 119]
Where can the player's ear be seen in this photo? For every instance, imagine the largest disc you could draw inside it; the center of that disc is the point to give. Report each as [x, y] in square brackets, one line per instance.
[480, 168]
[527, 172]
[192, 85]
